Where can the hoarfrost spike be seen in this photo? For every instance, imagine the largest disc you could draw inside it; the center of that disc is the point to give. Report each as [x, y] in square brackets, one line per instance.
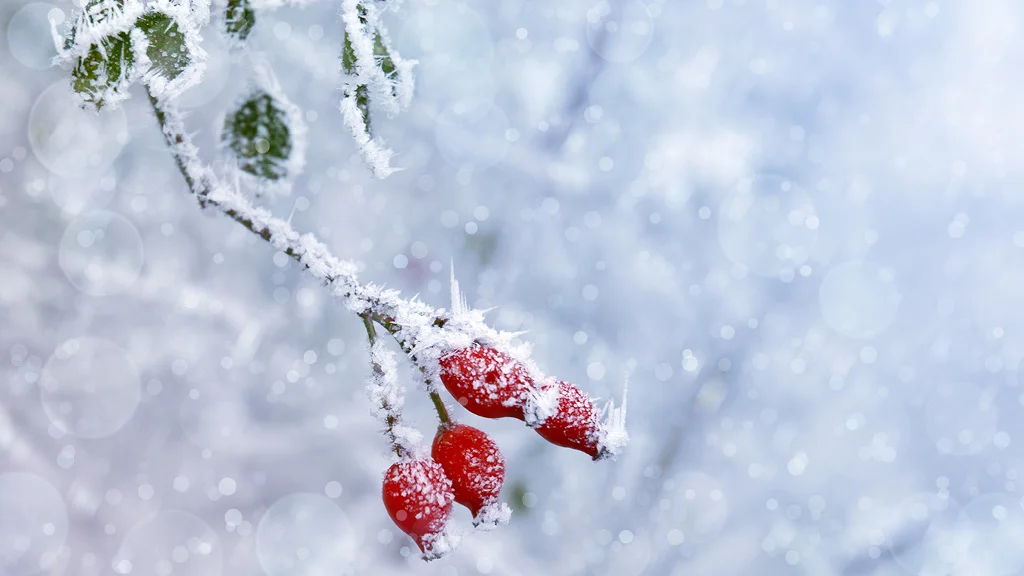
[459, 304]
[613, 434]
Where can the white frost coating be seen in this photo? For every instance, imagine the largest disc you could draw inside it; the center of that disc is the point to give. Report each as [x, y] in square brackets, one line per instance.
[200, 10]
[613, 437]
[492, 515]
[189, 25]
[395, 94]
[90, 27]
[391, 94]
[542, 401]
[376, 155]
[388, 397]
[441, 544]
[107, 18]
[103, 19]
[459, 304]
[542, 395]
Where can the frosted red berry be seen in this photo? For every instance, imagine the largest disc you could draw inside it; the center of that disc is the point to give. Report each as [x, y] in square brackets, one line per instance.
[418, 497]
[473, 463]
[576, 422]
[487, 382]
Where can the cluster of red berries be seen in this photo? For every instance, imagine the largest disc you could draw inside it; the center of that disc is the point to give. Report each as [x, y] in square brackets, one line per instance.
[491, 384]
[466, 466]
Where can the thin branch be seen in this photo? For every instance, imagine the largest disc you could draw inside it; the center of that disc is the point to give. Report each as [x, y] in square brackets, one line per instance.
[396, 332]
[390, 414]
[306, 249]
[370, 302]
[425, 333]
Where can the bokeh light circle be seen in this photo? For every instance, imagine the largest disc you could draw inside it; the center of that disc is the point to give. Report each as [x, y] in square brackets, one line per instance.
[997, 526]
[768, 225]
[698, 511]
[305, 533]
[33, 524]
[89, 387]
[28, 34]
[859, 299]
[82, 194]
[619, 31]
[472, 138]
[961, 418]
[69, 140]
[171, 543]
[101, 253]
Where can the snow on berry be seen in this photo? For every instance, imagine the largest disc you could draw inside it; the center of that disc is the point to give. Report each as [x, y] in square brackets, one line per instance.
[476, 468]
[487, 382]
[576, 422]
[492, 515]
[418, 496]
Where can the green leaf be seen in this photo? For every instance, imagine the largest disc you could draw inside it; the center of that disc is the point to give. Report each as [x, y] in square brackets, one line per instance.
[98, 75]
[363, 103]
[383, 56]
[240, 18]
[380, 52]
[348, 57]
[258, 134]
[348, 64]
[167, 49]
[98, 11]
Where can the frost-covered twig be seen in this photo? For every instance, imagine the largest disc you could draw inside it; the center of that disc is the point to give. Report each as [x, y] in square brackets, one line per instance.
[388, 395]
[425, 333]
[306, 249]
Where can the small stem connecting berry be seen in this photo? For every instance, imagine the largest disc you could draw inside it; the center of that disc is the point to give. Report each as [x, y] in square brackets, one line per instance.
[442, 411]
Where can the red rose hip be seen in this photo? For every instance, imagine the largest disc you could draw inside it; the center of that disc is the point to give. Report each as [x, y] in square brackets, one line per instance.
[473, 463]
[487, 382]
[418, 497]
[576, 422]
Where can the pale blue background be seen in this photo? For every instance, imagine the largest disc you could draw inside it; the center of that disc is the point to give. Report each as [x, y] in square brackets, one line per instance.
[796, 224]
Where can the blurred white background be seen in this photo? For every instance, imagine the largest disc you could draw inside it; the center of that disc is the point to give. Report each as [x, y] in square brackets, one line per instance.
[797, 224]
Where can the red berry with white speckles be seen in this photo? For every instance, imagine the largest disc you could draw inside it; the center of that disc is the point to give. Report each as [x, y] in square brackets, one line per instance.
[576, 422]
[487, 382]
[418, 497]
[473, 462]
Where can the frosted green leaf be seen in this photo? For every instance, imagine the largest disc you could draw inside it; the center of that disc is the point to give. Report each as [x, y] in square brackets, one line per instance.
[383, 56]
[99, 11]
[259, 135]
[348, 57]
[167, 50]
[348, 64]
[239, 19]
[104, 70]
